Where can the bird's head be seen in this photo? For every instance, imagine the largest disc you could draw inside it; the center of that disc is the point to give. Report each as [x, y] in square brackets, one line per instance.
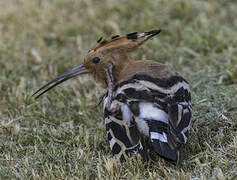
[113, 51]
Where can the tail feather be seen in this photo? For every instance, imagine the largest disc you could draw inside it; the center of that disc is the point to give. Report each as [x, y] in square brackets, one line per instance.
[158, 137]
[164, 150]
[179, 124]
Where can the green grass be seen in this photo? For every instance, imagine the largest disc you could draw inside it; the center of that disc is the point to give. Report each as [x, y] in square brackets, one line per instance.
[62, 135]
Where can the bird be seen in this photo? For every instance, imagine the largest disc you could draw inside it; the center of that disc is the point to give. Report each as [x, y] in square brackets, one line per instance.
[143, 98]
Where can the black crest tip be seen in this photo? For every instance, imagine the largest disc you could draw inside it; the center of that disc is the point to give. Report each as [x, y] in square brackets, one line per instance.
[98, 41]
[115, 37]
[153, 32]
[132, 35]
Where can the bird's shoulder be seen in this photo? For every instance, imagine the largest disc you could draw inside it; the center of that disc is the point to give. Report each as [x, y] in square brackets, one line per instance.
[152, 68]
[150, 71]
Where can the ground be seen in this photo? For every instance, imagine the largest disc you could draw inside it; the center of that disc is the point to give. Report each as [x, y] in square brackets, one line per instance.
[62, 135]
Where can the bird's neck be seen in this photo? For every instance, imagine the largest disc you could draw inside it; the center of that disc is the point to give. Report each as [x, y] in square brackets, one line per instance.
[119, 69]
[128, 69]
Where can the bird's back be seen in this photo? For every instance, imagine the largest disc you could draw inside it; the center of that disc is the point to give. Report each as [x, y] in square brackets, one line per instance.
[152, 68]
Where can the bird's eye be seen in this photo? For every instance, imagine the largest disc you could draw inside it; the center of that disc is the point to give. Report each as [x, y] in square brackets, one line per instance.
[96, 60]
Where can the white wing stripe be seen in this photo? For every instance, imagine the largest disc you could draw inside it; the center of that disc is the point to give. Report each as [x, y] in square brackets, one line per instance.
[107, 120]
[136, 86]
[149, 111]
[170, 90]
[161, 137]
[127, 114]
[186, 111]
[111, 143]
[185, 138]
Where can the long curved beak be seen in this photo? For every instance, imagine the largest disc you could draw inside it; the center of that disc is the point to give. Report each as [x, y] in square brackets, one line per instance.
[60, 79]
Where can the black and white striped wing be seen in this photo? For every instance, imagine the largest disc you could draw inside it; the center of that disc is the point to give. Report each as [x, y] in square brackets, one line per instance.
[122, 132]
[161, 108]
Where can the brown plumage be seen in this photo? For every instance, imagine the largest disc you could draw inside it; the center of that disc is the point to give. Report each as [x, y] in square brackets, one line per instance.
[143, 97]
[115, 51]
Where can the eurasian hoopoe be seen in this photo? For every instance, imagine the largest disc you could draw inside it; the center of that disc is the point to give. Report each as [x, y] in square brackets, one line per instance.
[143, 97]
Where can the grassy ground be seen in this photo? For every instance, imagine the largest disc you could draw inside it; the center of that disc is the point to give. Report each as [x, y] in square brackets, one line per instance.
[62, 135]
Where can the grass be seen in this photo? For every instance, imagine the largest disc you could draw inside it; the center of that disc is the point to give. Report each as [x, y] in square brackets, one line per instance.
[62, 135]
